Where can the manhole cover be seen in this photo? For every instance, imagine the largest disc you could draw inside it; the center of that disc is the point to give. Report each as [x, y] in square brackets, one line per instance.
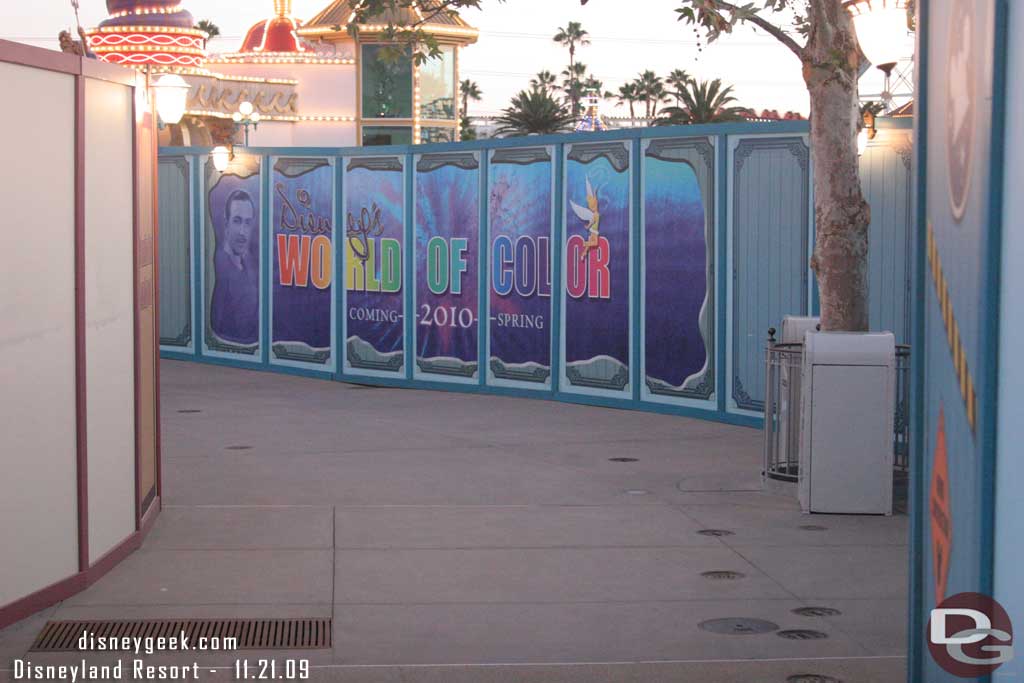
[722, 575]
[622, 459]
[187, 411]
[238, 448]
[813, 527]
[816, 611]
[738, 626]
[812, 678]
[801, 634]
[715, 532]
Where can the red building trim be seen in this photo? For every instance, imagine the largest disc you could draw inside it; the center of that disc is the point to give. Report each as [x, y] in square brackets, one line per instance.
[76, 583]
[39, 58]
[136, 222]
[81, 416]
[155, 207]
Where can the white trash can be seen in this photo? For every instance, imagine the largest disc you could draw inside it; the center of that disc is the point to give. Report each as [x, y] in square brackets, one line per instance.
[846, 437]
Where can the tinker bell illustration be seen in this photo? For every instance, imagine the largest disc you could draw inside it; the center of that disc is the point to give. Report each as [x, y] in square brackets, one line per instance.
[592, 216]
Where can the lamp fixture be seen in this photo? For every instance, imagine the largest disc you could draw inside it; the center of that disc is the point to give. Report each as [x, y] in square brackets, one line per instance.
[882, 29]
[867, 132]
[171, 95]
[222, 156]
[247, 116]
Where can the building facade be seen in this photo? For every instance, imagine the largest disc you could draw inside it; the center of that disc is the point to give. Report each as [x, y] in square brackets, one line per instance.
[337, 79]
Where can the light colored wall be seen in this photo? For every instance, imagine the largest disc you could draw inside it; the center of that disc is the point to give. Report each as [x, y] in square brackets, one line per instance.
[272, 134]
[327, 89]
[325, 134]
[109, 320]
[323, 90]
[38, 518]
[1010, 458]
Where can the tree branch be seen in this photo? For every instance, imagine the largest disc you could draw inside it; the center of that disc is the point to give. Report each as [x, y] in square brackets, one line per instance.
[768, 27]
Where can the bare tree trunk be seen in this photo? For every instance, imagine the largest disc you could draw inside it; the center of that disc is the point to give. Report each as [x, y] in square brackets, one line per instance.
[840, 261]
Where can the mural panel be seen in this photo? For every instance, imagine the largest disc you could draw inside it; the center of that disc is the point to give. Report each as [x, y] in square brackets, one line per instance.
[769, 226]
[232, 260]
[596, 269]
[374, 192]
[447, 227]
[520, 205]
[678, 281]
[175, 212]
[301, 216]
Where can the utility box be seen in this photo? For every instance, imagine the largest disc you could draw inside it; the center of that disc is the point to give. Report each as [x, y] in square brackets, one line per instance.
[848, 402]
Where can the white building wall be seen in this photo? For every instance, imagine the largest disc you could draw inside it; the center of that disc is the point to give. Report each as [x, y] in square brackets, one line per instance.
[38, 489]
[109, 319]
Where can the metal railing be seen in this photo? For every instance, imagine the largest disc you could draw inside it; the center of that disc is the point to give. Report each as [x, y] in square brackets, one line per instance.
[784, 375]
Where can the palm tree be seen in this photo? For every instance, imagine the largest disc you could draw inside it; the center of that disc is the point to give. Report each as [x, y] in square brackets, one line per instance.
[571, 35]
[209, 27]
[469, 91]
[651, 89]
[628, 95]
[677, 80]
[534, 111]
[704, 102]
[544, 80]
[572, 74]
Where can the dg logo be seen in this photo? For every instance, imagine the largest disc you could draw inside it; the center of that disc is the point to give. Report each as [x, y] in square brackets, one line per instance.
[970, 635]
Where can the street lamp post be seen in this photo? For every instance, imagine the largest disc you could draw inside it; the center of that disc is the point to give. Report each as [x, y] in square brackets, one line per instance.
[247, 116]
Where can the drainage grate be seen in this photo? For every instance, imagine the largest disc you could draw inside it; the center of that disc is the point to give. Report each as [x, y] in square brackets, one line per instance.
[812, 678]
[738, 626]
[622, 459]
[816, 612]
[801, 634]
[187, 411]
[812, 527]
[715, 532]
[238, 448]
[722, 575]
[250, 634]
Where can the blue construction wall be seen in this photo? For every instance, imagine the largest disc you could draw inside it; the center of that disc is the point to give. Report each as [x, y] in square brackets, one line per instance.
[1009, 520]
[960, 150]
[637, 269]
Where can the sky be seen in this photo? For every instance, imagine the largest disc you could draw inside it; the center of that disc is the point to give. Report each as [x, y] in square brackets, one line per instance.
[627, 37]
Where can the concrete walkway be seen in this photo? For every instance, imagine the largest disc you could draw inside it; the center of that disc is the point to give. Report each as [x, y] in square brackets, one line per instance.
[458, 538]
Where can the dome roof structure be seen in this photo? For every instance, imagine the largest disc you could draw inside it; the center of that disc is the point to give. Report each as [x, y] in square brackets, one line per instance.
[276, 34]
[148, 32]
[431, 16]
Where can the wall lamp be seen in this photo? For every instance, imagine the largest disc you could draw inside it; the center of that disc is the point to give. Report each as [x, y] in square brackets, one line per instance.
[222, 156]
[170, 94]
[867, 132]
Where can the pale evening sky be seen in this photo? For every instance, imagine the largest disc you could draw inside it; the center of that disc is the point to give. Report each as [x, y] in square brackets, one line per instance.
[515, 42]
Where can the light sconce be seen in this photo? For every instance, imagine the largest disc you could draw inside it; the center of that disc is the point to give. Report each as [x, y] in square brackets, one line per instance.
[222, 157]
[867, 132]
[171, 96]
